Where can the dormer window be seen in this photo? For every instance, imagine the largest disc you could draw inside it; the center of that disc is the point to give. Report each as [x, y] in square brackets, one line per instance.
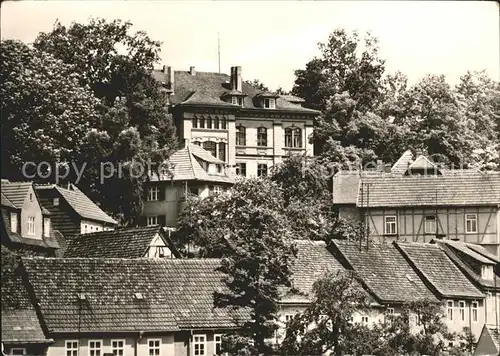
[237, 100]
[487, 272]
[56, 201]
[270, 103]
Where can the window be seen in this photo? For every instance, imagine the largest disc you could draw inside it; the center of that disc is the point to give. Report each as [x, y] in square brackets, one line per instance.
[56, 201]
[13, 222]
[389, 315]
[474, 306]
[71, 348]
[417, 320]
[430, 224]
[222, 151]
[461, 310]
[449, 310]
[31, 196]
[269, 103]
[241, 136]
[46, 227]
[241, 169]
[193, 191]
[218, 344]
[31, 225]
[153, 193]
[364, 320]
[224, 123]
[219, 168]
[199, 345]
[261, 170]
[471, 223]
[293, 137]
[209, 123]
[95, 347]
[390, 225]
[154, 347]
[202, 122]
[214, 190]
[288, 318]
[487, 272]
[18, 351]
[216, 123]
[261, 136]
[197, 143]
[195, 122]
[210, 147]
[152, 220]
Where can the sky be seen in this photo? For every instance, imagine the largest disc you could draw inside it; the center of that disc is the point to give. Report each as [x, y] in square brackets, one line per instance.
[271, 39]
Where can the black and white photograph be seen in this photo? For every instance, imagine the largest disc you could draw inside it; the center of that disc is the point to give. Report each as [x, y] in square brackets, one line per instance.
[250, 178]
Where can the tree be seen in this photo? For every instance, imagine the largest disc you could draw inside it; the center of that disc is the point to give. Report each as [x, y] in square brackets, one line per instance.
[46, 113]
[325, 326]
[133, 126]
[257, 84]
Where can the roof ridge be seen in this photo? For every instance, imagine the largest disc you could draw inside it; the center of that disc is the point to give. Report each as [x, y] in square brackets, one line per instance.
[190, 156]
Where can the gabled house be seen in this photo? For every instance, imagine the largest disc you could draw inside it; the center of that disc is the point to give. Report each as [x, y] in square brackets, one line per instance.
[249, 129]
[126, 242]
[481, 268]
[464, 303]
[26, 225]
[385, 274]
[72, 211]
[129, 307]
[418, 201]
[194, 171]
[489, 341]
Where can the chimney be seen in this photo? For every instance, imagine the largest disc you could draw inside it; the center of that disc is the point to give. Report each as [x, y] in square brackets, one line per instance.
[236, 78]
[192, 71]
[169, 78]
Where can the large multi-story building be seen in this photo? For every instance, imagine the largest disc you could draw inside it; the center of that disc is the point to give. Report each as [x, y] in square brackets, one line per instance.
[249, 129]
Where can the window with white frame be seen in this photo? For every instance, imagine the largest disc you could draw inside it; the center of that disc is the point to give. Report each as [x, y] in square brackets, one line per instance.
[56, 201]
[270, 103]
[391, 226]
[471, 223]
[293, 137]
[241, 169]
[389, 314]
[95, 347]
[261, 170]
[218, 344]
[152, 220]
[430, 224]
[487, 272]
[461, 310]
[261, 136]
[153, 193]
[449, 309]
[117, 347]
[13, 222]
[31, 225]
[364, 320]
[154, 347]
[71, 348]
[18, 351]
[46, 227]
[417, 320]
[199, 345]
[474, 311]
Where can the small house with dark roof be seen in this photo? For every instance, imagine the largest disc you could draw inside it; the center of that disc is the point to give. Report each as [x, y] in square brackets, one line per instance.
[193, 171]
[26, 225]
[72, 211]
[249, 129]
[464, 303]
[129, 306]
[418, 201]
[489, 341]
[126, 242]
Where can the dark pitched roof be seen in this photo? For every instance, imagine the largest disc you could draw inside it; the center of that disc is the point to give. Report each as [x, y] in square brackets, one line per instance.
[80, 203]
[130, 242]
[438, 270]
[185, 166]
[177, 294]
[446, 190]
[215, 85]
[385, 272]
[20, 323]
[402, 164]
[15, 192]
[312, 263]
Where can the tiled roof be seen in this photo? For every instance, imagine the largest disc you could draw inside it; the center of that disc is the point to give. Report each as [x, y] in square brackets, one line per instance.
[447, 190]
[346, 185]
[402, 164]
[20, 323]
[422, 162]
[6, 202]
[495, 335]
[187, 167]
[177, 294]
[484, 252]
[438, 269]
[385, 272]
[119, 243]
[214, 85]
[292, 98]
[312, 263]
[466, 248]
[201, 98]
[80, 203]
[15, 192]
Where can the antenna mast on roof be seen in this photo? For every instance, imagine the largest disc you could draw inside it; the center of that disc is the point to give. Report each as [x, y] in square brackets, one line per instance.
[218, 49]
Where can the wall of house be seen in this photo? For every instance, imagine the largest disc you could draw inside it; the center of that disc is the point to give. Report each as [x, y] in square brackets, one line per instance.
[492, 308]
[30, 349]
[31, 208]
[166, 347]
[88, 226]
[450, 222]
[457, 324]
[184, 346]
[168, 204]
